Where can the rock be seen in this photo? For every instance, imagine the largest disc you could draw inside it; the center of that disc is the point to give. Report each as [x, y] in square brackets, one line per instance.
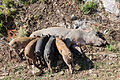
[110, 63]
[96, 1]
[104, 56]
[52, 75]
[106, 31]
[111, 6]
[73, 17]
[90, 71]
[77, 67]
[61, 73]
[36, 71]
[95, 75]
[77, 24]
[112, 55]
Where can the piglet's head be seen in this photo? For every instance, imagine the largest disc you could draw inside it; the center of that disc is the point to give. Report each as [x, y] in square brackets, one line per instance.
[13, 44]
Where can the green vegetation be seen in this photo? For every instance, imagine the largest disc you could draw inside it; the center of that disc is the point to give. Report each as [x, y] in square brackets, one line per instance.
[88, 7]
[27, 2]
[2, 29]
[8, 3]
[109, 47]
[7, 78]
[77, 1]
[22, 32]
[42, 0]
[118, 0]
[7, 13]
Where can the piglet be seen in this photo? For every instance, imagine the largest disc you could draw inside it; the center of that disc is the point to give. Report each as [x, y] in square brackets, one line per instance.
[40, 46]
[65, 52]
[29, 52]
[49, 52]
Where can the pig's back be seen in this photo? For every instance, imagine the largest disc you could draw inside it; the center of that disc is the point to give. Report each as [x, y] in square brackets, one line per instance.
[31, 46]
[56, 31]
[61, 46]
[41, 44]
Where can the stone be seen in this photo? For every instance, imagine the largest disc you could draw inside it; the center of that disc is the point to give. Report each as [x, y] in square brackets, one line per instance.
[110, 63]
[112, 55]
[111, 6]
[77, 24]
[61, 73]
[36, 71]
[73, 17]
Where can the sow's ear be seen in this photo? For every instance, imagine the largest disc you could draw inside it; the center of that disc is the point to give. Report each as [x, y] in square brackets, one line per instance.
[87, 29]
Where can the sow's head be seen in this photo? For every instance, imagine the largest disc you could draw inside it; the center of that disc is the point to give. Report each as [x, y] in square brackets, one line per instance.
[91, 37]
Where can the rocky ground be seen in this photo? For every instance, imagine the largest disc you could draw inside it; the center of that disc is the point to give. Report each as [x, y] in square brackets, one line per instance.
[100, 63]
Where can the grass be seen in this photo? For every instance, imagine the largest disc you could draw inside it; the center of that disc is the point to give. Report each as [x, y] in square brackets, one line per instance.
[7, 13]
[8, 3]
[27, 2]
[109, 47]
[77, 1]
[6, 78]
[2, 29]
[88, 7]
[21, 33]
[19, 69]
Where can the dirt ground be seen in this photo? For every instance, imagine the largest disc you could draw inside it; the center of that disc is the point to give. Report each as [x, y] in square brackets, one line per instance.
[100, 63]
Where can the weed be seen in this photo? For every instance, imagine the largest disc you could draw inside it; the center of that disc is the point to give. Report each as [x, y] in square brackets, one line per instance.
[7, 13]
[24, 2]
[7, 78]
[118, 0]
[20, 79]
[47, 74]
[8, 3]
[77, 1]
[109, 47]
[42, 0]
[21, 33]
[88, 7]
[97, 65]
[27, 2]
[2, 29]
[19, 69]
[84, 78]
[119, 55]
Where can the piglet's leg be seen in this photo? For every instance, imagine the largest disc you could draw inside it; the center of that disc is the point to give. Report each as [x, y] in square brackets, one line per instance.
[69, 65]
[49, 65]
[17, 53]
[21, 54]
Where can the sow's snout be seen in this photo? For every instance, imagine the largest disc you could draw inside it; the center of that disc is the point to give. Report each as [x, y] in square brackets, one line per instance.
[100, 42]
[95, 38]
[99, 39]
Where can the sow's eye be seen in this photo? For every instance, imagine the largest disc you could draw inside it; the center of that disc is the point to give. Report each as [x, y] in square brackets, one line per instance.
[97, 34]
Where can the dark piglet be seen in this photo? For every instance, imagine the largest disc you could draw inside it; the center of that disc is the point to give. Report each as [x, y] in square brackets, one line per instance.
[40, 45]
[49, 52]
